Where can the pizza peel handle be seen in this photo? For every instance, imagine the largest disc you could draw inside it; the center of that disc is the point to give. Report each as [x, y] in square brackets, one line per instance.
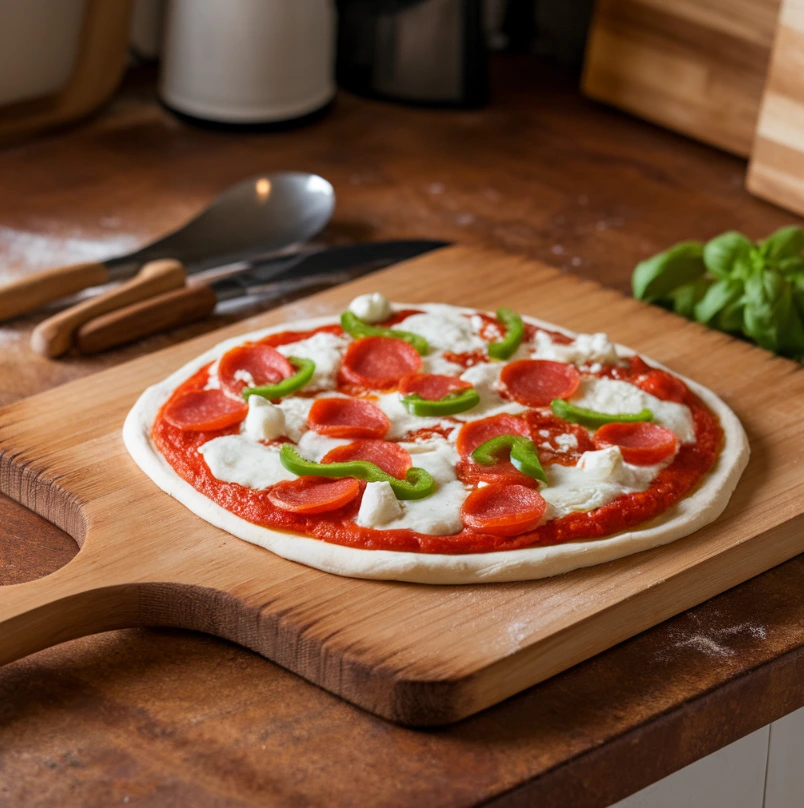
[67, 604]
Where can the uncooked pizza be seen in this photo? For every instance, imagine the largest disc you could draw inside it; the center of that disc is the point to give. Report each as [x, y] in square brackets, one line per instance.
[438, 444]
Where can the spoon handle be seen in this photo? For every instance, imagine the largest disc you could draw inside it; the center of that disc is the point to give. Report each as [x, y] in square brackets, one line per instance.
[29, 293]
[54, 336]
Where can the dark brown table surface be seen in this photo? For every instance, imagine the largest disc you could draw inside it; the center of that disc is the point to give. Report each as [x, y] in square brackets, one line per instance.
[163, 717]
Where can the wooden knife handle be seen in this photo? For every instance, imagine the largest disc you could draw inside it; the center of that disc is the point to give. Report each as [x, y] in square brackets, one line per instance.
[161, 313]
[27, 294]
[55, 335]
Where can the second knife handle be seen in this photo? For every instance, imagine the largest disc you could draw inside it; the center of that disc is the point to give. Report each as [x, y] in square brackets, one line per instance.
[161, 313]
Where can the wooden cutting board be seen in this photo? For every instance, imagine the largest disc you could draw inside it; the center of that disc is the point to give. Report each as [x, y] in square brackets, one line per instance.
[696, 66]
[415, 654]
[776, 171]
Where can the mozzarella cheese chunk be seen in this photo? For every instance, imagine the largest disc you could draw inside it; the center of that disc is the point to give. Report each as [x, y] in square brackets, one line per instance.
[325, 350]
[372, 308]
[296, 411]
[445, 330]
[236, 459]
[264, 420]
[378, 506]
[583, 350]
[598, 478]
[313, 446]
[614, 397]
[439, 514]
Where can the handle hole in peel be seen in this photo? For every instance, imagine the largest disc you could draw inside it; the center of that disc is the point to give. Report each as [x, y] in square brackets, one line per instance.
[30, 546]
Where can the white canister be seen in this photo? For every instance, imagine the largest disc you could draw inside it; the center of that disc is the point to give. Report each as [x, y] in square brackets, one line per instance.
[249, 61]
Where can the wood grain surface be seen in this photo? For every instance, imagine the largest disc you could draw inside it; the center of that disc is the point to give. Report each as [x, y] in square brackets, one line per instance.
[413, 654]
[168, 717]
[776, 170]
[695, 66]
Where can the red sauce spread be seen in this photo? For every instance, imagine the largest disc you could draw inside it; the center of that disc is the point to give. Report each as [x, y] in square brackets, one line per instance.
[673, 482]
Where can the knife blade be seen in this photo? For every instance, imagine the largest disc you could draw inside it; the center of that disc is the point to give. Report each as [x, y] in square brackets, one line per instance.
[260, 282]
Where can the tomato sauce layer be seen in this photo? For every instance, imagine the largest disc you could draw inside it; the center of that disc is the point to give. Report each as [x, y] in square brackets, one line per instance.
[692, 462]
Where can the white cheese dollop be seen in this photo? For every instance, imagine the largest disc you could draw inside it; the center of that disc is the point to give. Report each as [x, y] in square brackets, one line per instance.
[325, 350]
[445, 330]
[583, 350]
[378, 506]
[236, 459]
[598, 478]
[295, 411]
[372, 308]
[264, 420]
[313, 446]
[440, 513]
[613, 396]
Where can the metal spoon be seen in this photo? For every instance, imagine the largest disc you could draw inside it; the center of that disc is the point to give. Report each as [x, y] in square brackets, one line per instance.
[259, 215]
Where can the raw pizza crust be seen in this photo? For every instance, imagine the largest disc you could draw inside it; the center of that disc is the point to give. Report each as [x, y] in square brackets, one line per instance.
[689, 514]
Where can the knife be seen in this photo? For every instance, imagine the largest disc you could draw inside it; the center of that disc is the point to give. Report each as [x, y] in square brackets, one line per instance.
[260, 282]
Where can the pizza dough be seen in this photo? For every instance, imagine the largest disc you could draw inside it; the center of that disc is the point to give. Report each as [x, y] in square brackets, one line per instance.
[249, 459]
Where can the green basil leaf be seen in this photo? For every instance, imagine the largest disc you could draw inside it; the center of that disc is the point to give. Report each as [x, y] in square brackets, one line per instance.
[686, 297]
[719, 295]
[730, 317]
[725, 252]
[786, 242]
[658, 276]
[793, 266]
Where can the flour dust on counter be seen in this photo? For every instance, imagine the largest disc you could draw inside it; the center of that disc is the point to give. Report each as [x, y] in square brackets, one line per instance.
[438, 444]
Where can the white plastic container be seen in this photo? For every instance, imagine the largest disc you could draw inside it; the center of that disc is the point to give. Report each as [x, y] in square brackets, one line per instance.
[249, 61]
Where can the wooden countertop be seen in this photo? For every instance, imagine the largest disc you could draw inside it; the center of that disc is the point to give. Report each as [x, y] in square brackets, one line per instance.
[163, 717]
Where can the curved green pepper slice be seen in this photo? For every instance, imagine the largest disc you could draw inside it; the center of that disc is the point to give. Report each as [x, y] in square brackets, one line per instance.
[353, 325]
[580, 415]
[305, 369]
[514, 332]
[521, 450]
[452, 403]
[418, 483]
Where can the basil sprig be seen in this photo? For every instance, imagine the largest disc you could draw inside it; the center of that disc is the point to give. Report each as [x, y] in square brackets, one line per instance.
[754, 290]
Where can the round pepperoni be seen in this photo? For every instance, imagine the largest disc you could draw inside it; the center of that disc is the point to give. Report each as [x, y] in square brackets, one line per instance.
[379, 362]
[663, 385]
[313, 494]
[503, 509]
[347, 418]
[536, 382]
[431, 386]
[252, 366]
[204, 410]
[474, 433]
[642, 443]
[390, 457]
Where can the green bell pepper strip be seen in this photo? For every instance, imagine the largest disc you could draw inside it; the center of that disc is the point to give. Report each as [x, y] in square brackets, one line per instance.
[514, 332]
[452, 403]
[353, 325]
[580, 415]
[305, 369]
[417, 484]
[522, 452]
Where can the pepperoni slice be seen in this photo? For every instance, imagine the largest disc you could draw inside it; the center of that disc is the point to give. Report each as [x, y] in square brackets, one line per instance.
[549, 434]
[313, 494]
[379, 362]
[663, 385]
[347, 418]
[536, 382]
[204, 410]
[252, 365]
[641, 443]
[474, 433]
[431, 386]
[503, 509]
[390, 457]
